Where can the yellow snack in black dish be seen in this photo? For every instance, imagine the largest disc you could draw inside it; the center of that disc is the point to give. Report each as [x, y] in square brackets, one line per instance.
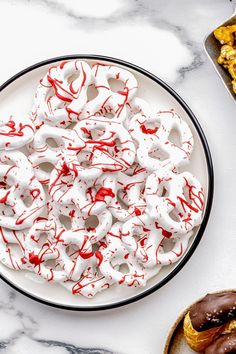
[227, 58]
[227, 54]
[225, 35]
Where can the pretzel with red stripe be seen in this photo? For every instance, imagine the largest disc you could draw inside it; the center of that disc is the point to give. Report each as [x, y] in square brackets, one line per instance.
[112, 151]
[12, 248]
[91, 282]
[76, 254]
[145, 239]
[176, 201]
[95, 195]
[22, 198]
[100, 223]
[116, 255]
[62, 93]
[129, 199]
[61, 184]
[44, 153]
[109, 103]
[42, 245]
[155, 149]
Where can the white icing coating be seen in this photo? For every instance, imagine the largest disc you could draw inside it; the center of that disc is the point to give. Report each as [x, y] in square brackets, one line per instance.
[109, 102]
[95, 195]
[61, 94]
[41, 246]
[12, 248]
[155, 149]
[111, 149]
[22, 198]
[99, 198]
[174, 200]
[129, 199]
[44, 153]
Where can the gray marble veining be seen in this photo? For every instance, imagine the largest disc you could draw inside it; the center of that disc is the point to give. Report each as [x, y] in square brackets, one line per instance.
[165, 37]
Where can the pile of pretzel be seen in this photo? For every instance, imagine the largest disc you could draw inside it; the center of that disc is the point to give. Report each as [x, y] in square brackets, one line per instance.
[91, 188]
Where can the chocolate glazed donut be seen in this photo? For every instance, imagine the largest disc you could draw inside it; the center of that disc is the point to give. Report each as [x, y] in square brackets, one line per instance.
[213, 310]
[210, 324]
[224, 344]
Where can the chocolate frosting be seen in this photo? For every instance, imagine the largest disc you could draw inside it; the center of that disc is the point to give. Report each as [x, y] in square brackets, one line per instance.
[213, 310]
[223, 345]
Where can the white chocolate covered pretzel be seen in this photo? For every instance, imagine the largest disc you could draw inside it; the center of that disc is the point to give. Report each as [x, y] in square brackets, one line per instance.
[94, 196]
[90, 283]
[62, 93]
[104, 145]
[61, 184]
[94, 227]
[109, 103]
[12, 248]
[175, 201]
[42, 246]
[129, 199]
[22, 197]
[46, 148]
[156, 150]
[175, 252]
[76, 254]
[115, 255]
[145, 239]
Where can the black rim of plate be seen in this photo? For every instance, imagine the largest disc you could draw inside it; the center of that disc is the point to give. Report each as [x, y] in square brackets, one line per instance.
[203, 139]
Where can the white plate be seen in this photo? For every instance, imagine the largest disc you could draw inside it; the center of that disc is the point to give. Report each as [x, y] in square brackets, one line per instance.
[17, 98]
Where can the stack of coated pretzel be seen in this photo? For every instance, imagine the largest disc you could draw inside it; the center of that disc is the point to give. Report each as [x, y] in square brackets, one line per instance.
[92, 188]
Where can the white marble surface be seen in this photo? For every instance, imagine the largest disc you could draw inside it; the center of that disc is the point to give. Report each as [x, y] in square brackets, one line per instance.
[167, 39]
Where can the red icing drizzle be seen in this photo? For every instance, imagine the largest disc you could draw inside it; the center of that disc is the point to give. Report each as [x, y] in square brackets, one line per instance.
[35, 259]
[35, 193]
[164, 232]
[102, 193]
[99, 256]
[4, 199]
[137, 211]
[15, 131]
[148, 130]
